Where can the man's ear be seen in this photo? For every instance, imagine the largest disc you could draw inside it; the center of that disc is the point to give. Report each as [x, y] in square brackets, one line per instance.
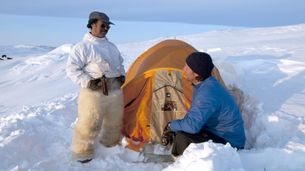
[195, 74]
[197, 77]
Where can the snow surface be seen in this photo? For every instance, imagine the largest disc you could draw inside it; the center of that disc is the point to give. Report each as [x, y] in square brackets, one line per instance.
[38, 105]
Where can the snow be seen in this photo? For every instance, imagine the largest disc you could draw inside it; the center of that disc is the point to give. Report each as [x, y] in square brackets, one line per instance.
[213, 157]
[38, 105]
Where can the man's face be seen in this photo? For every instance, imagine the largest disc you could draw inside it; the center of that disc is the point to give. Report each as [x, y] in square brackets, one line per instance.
[100, 29]
[190, 75]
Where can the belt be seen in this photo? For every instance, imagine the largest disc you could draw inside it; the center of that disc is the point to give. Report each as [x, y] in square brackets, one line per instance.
[110, 84]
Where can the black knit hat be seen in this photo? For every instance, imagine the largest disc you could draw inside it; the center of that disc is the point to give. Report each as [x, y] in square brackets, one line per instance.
[201, 63]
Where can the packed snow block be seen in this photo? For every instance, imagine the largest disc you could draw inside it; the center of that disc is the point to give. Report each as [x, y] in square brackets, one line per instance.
[249, 109]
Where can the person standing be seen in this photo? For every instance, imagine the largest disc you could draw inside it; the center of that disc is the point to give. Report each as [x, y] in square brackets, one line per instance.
[213, 114]
[96, 65]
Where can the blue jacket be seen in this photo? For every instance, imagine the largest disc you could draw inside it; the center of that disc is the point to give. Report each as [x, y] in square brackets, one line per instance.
[213, 109]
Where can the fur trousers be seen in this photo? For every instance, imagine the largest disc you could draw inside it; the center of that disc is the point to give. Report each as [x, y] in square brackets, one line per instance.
[99, 116]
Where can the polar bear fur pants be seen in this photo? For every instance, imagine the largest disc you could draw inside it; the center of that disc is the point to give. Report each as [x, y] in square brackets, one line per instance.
[98, 116]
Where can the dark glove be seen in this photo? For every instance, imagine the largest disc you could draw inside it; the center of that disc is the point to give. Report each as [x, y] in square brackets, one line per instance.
[95, 84]
[122, 79]
[168, 135]
[167, 128]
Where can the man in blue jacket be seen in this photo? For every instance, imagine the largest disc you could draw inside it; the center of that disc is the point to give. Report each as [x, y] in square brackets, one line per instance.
[213, 114]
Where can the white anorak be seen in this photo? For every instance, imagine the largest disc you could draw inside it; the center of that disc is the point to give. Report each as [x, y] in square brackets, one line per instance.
[92, 58]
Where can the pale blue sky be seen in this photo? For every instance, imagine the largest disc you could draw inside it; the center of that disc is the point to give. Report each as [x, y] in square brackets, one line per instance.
[59, 21]
[55, 31]
[216, 12]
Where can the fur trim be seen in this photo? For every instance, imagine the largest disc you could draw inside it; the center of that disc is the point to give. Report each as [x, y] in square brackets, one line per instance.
[96, 111]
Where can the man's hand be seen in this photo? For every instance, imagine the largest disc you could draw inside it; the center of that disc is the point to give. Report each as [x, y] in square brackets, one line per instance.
[168, 135]
[167, 128]
[95, 84]
[122, 79]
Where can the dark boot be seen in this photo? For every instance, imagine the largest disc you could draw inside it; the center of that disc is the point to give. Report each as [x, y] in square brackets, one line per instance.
[84, 161]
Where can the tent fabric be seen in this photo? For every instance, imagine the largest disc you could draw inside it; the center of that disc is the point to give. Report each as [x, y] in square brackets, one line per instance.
[167, 102]
[156, 92]
[166, 54]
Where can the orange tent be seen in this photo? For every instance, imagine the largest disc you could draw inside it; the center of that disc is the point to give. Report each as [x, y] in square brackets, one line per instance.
[156, 92]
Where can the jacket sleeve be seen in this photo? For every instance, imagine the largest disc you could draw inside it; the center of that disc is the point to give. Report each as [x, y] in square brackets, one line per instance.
[121, 60]
[201, 109]
[76, 63]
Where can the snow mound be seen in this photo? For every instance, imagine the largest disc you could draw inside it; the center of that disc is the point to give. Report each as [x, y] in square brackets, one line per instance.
[208, 156]
[24, 50]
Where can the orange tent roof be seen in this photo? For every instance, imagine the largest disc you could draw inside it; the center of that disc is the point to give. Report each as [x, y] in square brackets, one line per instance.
[166, 54]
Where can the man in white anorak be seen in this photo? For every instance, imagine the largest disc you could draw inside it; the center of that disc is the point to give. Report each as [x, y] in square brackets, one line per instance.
[96, 65]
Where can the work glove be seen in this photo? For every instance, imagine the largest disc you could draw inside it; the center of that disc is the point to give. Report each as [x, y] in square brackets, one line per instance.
[167, 128]
[95, 84]
[168, 135]
[122, 79]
